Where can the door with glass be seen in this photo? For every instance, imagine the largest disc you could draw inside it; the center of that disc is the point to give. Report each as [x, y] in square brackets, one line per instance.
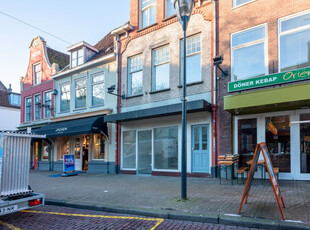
[303, 171]
[77, 153]
[200, 148]
[144, 152]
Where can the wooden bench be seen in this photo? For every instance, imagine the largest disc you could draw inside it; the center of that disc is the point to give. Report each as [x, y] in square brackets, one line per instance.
[276, 172]
[241, 171]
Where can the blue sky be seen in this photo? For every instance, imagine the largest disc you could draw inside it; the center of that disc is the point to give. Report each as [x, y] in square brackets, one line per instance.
[71, 20]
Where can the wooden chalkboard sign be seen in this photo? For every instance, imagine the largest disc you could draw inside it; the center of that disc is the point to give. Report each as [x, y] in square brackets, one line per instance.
[262, 148]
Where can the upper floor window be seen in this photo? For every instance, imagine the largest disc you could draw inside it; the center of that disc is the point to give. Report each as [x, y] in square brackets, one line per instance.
[169, 8]
[249, 53]
[37, 74]
[148, 12]
[77, 57]
[37, 107]
[65, 97]
[28, 109]
[240, 2]
[135, 73]
[98, 89]
[294, 37]
[47, 104]
[193, 59]
[160, 71]
[80, 93]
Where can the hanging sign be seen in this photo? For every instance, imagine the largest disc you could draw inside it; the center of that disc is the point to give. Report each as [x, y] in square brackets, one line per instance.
[262, 148]
[69, 163]
[273, 79]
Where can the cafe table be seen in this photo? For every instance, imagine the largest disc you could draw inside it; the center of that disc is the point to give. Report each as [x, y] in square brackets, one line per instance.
[227, 164]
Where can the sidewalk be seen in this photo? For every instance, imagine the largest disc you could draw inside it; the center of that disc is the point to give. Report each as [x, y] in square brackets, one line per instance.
[160, 196]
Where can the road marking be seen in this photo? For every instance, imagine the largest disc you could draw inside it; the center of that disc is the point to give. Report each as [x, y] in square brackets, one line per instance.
[8, 225]
[158, 220]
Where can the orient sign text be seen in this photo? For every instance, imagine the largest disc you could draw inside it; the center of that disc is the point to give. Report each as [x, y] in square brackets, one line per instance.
[279, 78]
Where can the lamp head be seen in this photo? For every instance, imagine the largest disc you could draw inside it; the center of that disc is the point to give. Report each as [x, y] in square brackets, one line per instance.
[183, 9]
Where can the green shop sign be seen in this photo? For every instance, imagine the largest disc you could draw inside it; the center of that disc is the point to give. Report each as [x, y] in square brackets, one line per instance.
[279, 78]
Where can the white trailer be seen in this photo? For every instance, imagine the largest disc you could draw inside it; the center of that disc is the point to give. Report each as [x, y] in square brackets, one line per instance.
[15, 192]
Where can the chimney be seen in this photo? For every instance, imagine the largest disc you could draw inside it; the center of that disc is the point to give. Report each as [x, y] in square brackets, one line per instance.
[10, 88]
[55, 68]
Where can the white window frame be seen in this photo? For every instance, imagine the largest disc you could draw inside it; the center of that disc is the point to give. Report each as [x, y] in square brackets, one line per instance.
[141, 13]
[159, 64]
[264, 40]
[44, 101]
[60, 101]
[236, 6]
[75, 89]
[190, 55]
[35, 80]
[280, 20]
[129, 75]
[97, 83]
[35, 106]
[77, 54]
[166, 9]
[26, 108]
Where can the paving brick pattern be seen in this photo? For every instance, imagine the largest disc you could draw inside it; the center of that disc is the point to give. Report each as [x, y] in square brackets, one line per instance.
[46, 221]
[161, 194]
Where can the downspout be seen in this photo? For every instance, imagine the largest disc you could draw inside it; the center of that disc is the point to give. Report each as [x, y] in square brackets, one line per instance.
[215, 91]
[118, 128]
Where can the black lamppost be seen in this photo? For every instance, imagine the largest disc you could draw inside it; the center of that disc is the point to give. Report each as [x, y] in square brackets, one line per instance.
[184, 9]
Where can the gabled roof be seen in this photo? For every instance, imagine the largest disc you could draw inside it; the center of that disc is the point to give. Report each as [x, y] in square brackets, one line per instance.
[2, 86]
[105, 46]
[4, 99]
[55, 56]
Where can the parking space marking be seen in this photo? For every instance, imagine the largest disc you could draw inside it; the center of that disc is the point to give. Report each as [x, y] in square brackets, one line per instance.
[8, 225]
[158, 220]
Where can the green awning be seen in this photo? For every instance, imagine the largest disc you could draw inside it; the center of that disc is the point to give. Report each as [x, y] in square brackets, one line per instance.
[276, 99]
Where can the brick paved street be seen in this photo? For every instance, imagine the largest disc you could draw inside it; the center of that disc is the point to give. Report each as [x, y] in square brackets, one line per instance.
[53, 217]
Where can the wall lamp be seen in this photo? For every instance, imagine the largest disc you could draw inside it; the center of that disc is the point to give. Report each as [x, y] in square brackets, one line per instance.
[111, 90]
[217, 60]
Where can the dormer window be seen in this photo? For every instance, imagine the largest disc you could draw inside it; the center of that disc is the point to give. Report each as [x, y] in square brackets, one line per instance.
[77, 57]
[36, 74]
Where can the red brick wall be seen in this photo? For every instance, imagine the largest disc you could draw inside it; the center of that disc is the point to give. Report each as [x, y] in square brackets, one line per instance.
[244, 17]
[37, 55]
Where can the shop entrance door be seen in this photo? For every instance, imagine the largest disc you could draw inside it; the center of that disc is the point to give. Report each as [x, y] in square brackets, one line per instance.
[145, 152]
[200, 148]
[77, 153]
[303, 167]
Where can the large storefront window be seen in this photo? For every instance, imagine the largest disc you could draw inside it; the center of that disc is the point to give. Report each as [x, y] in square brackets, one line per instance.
[166, 148]
[64, 146]
[99, 147]
[129, 149]
[46, 150]
[247, 139]
[278, 140]
[305, 144]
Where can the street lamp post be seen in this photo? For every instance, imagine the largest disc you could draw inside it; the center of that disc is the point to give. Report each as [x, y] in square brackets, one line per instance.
[184, 9]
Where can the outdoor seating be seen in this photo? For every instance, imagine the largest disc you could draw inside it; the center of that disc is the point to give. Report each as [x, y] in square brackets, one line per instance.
[241, 171]
[227, 162]
[261, 165]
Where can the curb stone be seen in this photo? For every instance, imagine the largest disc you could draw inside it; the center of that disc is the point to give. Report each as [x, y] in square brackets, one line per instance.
[174, 215]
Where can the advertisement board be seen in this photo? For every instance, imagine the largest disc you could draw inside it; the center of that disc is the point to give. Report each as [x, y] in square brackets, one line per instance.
[69, 163]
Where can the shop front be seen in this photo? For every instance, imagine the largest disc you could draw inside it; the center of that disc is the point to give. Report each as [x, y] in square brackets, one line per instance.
[151, 140]
[86, 138]
[280, 117]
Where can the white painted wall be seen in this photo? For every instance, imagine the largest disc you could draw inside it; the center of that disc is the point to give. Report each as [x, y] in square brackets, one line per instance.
[9, 118]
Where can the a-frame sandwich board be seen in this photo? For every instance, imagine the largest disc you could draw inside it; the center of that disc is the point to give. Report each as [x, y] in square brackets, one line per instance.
[262, 148]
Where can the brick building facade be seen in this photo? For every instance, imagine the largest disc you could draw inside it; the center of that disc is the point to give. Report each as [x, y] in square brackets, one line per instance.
[265, 45]
[149, 75]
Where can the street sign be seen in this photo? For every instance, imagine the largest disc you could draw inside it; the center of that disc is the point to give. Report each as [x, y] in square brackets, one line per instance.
[262, 148]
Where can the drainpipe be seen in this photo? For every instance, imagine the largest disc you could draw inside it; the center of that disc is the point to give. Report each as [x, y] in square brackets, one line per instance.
[118, 90]
[216, 88]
